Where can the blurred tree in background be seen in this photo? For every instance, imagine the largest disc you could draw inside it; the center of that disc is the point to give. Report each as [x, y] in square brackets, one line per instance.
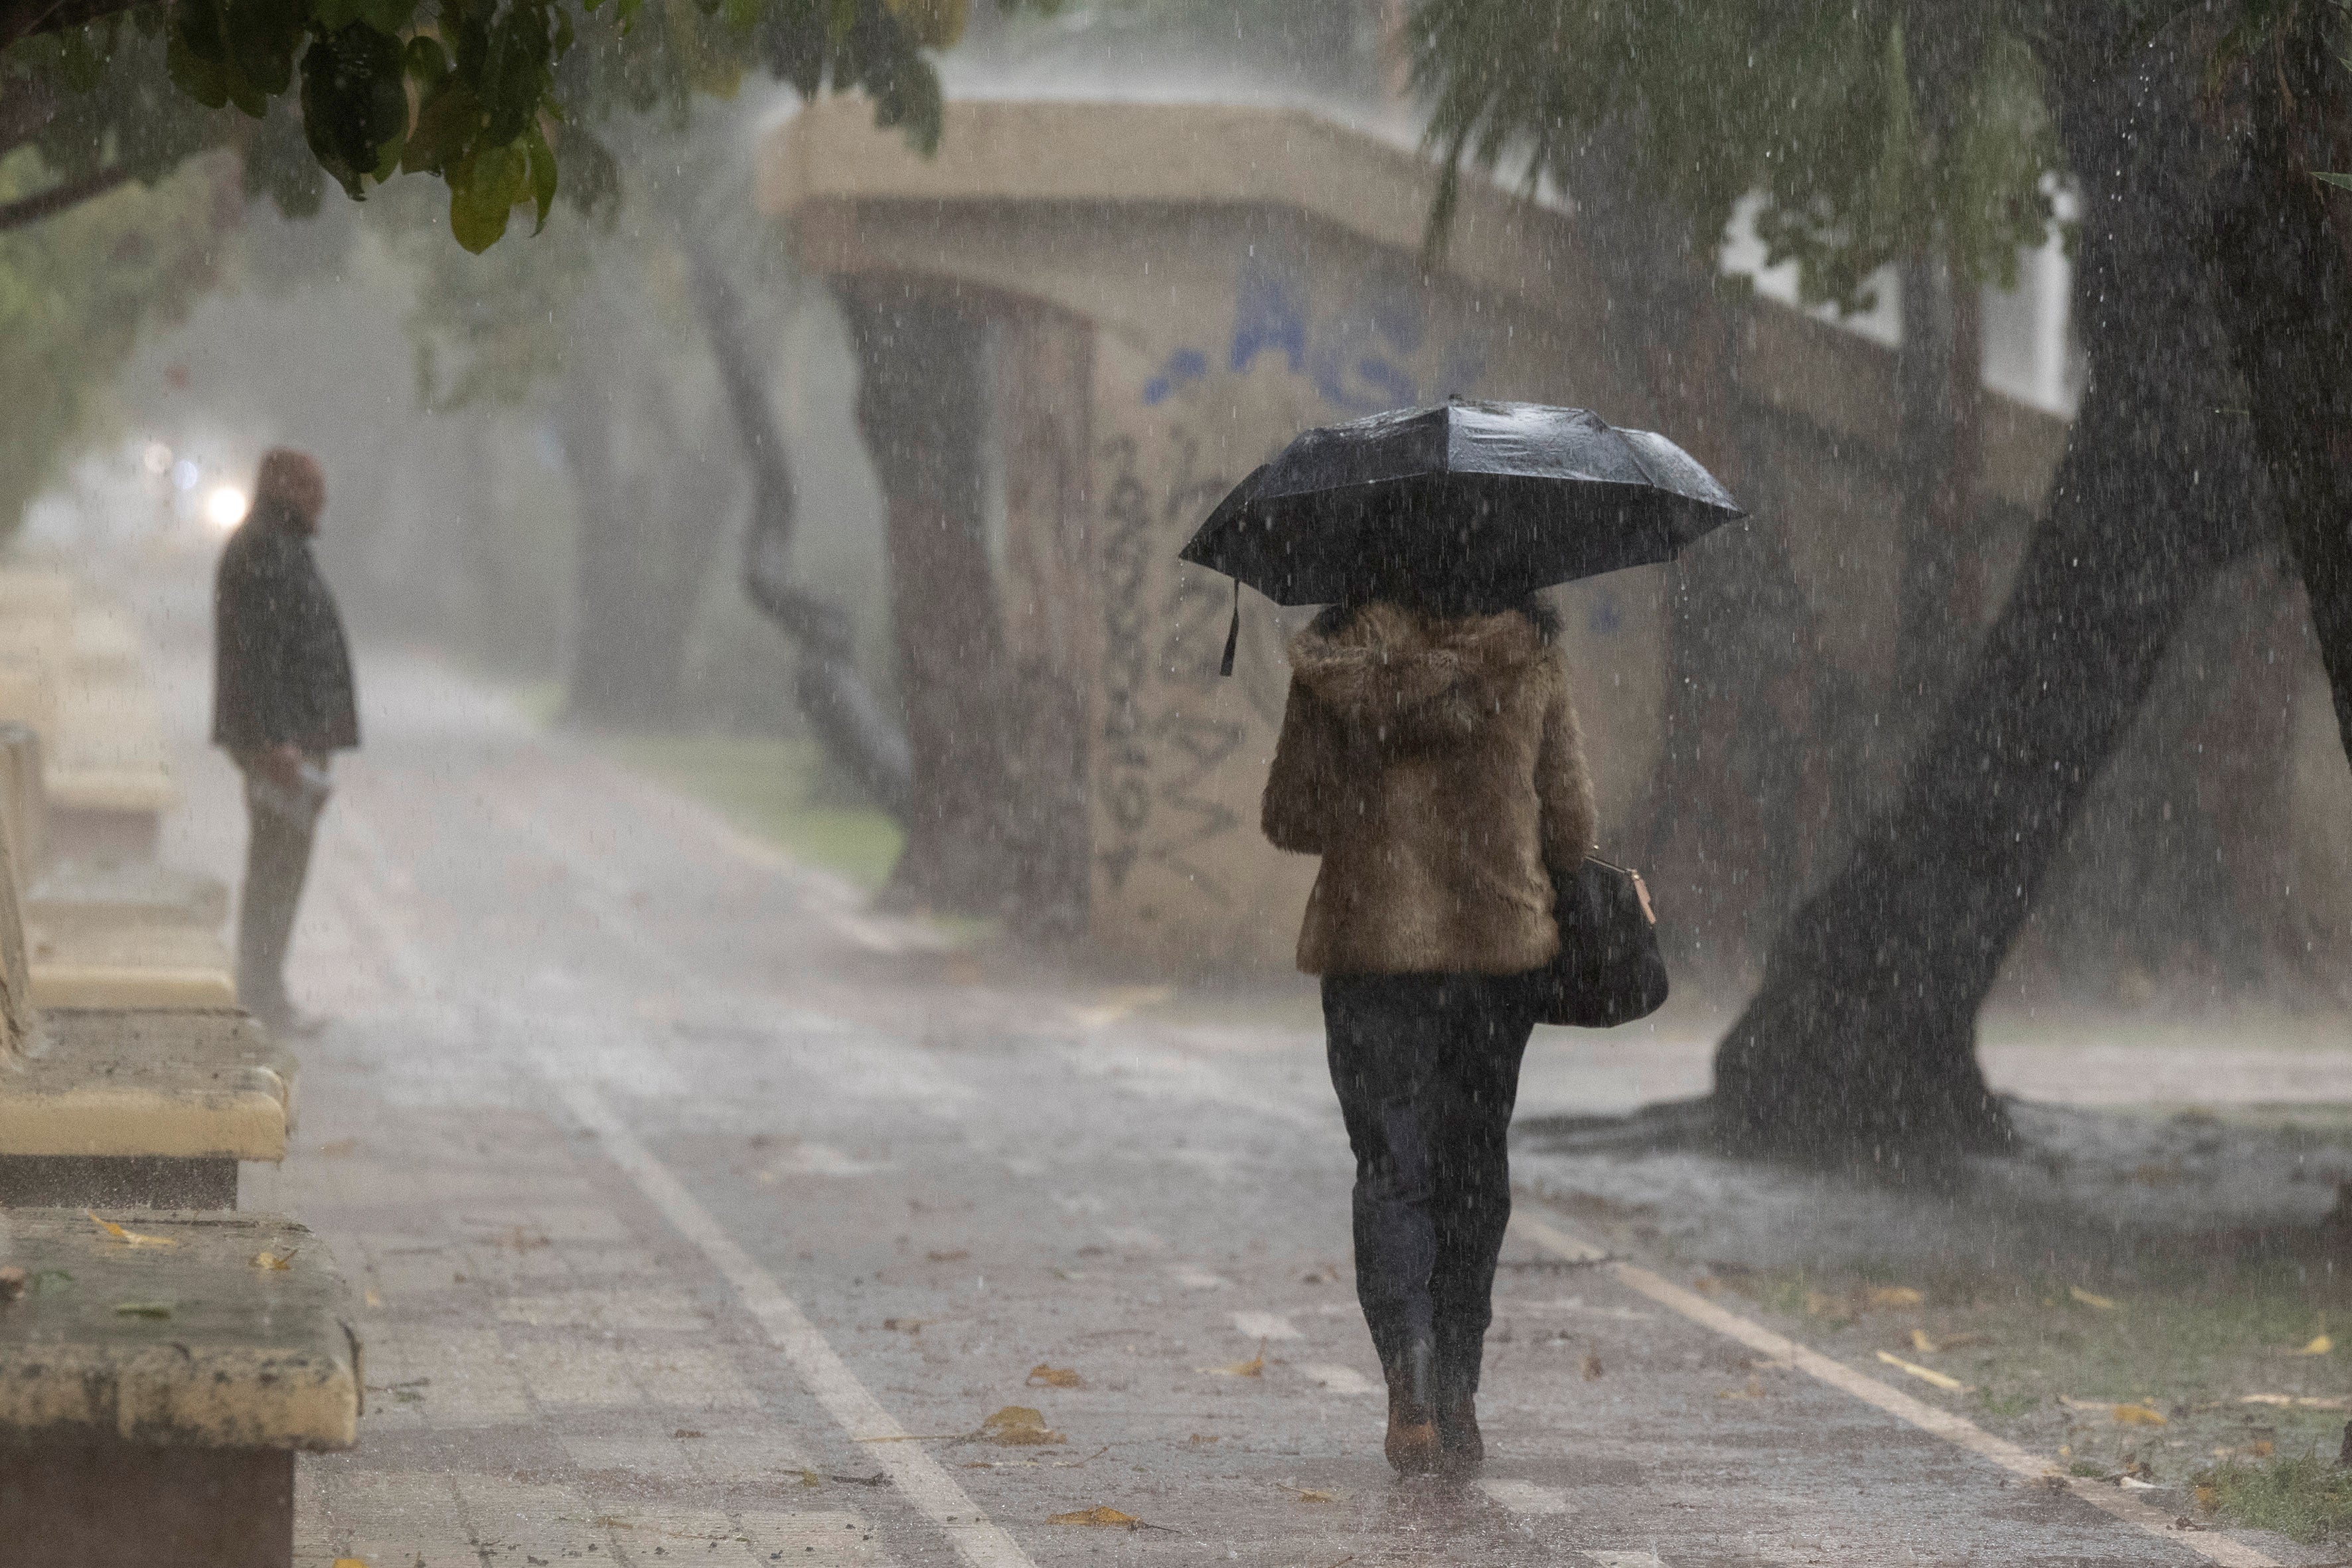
[1928, 136]
[75, 294]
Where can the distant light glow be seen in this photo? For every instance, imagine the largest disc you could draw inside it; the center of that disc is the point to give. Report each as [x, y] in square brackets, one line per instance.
[185, 474]
[225, 507]
[157, 458]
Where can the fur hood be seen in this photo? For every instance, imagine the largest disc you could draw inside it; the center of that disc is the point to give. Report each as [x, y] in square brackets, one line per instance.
[1405, 680]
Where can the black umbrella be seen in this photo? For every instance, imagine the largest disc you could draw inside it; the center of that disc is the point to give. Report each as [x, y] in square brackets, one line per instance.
[1473, 504]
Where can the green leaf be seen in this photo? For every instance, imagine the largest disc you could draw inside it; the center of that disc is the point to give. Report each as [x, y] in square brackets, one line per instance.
[388, 15]
[355, 101]
[427, 63]
[205, 81]
[443, 131]
[2341, 182]
[542, 175]
[482, 191]
[263, 36]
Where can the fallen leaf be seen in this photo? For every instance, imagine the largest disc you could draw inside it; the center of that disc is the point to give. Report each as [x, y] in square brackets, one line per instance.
[1311, 1496]
[1922, 1343]
[1097, 1515]
[2320, 1345]
[1924, 1374]
[1018, 1426]
[2091, 1298]
[276, 1260]
[811, 1479]
[2207, 1496]
[1253, 1367]
[2140, 1415]
[373, 1300]
[1591, 1366]
[142, 1309]
[1044, 1376]
[1889, 1296]
[2261, 1449]
[130, 1237]
[351, 1562]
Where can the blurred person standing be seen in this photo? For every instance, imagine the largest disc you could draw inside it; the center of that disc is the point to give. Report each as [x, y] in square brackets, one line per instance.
[282, 705]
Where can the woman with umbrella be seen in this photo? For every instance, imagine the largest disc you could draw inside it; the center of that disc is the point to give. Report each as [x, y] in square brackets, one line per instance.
[1430, 754]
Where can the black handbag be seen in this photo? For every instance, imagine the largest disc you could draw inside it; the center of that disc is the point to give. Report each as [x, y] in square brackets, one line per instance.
[1609, 971]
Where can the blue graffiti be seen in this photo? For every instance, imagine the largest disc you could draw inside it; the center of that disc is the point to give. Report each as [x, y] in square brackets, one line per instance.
[1269, 312]
[1183, 365]
[1356, 364]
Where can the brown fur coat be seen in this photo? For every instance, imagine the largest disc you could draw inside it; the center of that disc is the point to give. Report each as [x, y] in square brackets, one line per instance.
[1435, 766]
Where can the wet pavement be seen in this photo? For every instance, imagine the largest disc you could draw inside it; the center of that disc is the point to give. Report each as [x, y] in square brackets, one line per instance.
[697, 1216]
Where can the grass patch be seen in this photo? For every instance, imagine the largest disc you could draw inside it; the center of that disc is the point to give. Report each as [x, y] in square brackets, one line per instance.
[2303, 1497]
[778, 790]
[2184, 1342]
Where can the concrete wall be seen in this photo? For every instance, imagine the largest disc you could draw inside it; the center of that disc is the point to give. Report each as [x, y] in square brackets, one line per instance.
[1182, 290]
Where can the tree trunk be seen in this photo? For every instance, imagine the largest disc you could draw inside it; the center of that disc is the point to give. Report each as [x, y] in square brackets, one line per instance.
[1939, 392]
[827, 688]
[1860, 1045]
[645, 538]
[2280, 238]
[922, 408]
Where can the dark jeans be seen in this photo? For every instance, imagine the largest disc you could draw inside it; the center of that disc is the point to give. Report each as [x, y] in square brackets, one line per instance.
[277, 862]
[1427, 1066]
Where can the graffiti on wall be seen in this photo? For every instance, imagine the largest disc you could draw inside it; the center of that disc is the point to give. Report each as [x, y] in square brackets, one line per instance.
[1366, 357]
[1166, 739]
[1157, 758]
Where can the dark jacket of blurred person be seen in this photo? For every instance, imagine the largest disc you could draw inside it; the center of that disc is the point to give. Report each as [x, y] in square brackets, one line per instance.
[282, 667]
[282, 704]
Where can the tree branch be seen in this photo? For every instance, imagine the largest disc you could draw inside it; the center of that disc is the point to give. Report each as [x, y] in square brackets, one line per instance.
[57, 198]
[26, 111]
[840, 706]
[25, 18]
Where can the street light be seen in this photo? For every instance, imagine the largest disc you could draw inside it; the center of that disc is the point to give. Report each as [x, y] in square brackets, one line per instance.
[225, 507]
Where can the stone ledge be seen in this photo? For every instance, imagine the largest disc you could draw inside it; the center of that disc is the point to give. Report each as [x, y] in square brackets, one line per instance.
[248, 1357]
[186, 1085]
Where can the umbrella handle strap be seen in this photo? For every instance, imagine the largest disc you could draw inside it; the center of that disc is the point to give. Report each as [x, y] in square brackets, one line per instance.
[1232, 633]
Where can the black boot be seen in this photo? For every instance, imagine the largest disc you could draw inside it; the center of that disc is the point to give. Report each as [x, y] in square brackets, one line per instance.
[1454, 1409]
[1412, 1442]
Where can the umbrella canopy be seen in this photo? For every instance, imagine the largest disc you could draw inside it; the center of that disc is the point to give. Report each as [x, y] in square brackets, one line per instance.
[1479, 503]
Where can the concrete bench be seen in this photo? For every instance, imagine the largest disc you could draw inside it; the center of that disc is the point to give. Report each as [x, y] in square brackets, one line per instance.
[154, 1392]
[153, 1107]
[107, 774]
[110, 933]
[70, 668]
[166, 967]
